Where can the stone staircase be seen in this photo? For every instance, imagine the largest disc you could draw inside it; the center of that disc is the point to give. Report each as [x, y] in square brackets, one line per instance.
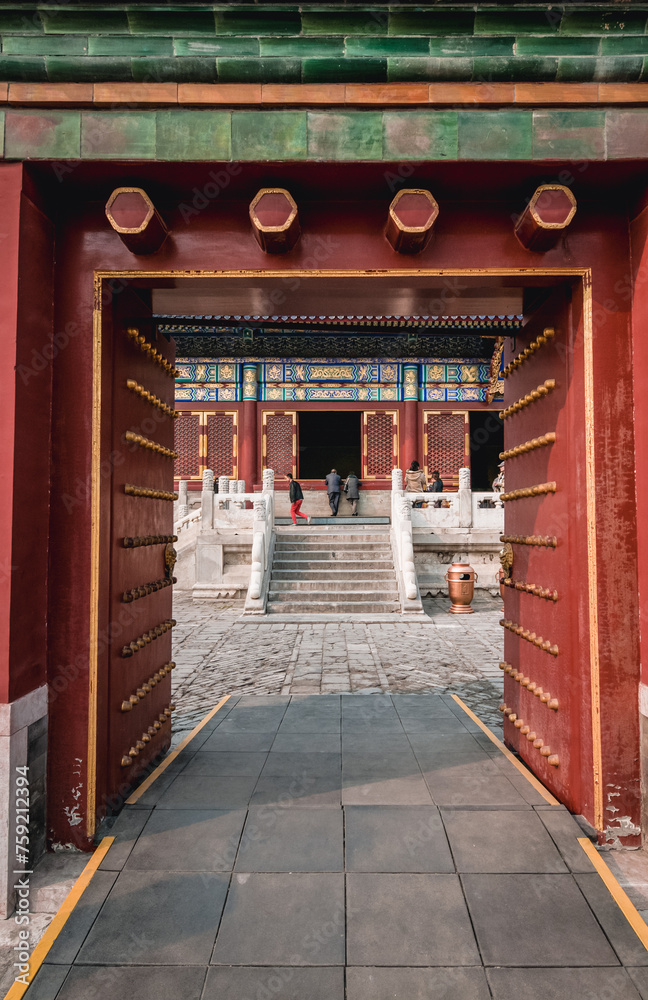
[334, 571]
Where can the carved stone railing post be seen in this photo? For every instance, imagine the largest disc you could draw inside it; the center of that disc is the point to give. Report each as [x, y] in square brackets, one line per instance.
[268, 480]
[223, 488]
[402, 544]
[258, 549]
[238, 487]
[465, 499]
[397, 479]
[183, 500]
[207, 501]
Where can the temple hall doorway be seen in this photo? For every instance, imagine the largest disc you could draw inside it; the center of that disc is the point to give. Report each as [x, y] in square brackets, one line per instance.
[329, 439]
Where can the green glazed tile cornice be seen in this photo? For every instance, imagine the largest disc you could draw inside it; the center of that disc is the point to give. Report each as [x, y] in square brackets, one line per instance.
[311, 43]
[341, 136]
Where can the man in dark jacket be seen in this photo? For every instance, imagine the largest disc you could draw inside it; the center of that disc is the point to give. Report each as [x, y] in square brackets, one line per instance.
[333, 483]
[351, 488]
[296, 498]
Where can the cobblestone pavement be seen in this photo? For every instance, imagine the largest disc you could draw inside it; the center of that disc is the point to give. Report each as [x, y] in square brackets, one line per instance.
[219, 652]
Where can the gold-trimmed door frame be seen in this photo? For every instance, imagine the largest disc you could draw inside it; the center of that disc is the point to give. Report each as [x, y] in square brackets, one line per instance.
[523, 275]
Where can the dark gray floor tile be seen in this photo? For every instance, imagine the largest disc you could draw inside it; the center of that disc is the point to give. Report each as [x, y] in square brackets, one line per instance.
[433, 724]
[241, 983]
[375, 791]
[296, 840]
[294, 919]
[188, 840]
[179, 762]
[287, 742]
[437, 758]
[154, 792]
[368, 743]
[417, 984]
[501, 841]
[445, 743]
[379, 727]
[75, 930]
[520, 778]
[379, 764]
[408, 920]
[161, 982]
[303, 723]
[284, 791]
[455, 782]
[228, 763]
[534, 920]
[396, 839]
[153, 914]
[565, 831]
[623, 939]
[640, 979]
[239, 742]
[317, 765]
[207, 792]
[561, 984]
[264, 700]
[253, 723]
[47, 982]
[126, 829]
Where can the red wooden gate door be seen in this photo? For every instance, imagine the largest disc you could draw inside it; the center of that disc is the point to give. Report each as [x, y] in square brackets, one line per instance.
[556, 690]
[140, 421]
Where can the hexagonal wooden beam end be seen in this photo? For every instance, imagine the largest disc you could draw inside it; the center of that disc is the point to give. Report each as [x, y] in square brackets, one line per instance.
[412, 215]
[275, 220]
[546, 217]
[135, 219]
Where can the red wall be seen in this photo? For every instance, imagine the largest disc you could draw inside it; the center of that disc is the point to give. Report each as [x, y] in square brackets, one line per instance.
[26, 307]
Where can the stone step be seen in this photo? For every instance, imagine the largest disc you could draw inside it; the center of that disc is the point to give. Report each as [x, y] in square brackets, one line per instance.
[353, 522]
[343, 587]
[334, 552]
[344, 537]
[333, 607]
[325, 562]
[297, 544]
[359, 576]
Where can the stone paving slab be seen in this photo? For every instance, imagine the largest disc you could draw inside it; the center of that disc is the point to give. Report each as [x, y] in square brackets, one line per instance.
[394, 868]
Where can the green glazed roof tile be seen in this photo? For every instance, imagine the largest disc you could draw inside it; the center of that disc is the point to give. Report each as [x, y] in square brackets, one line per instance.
[345, 70]
[495, 135]
[118, 135]
[193, 135]
[302, 47]
[434, 22]
[45, 45]
[420, 135]
[333, 23]
[259, 70]
[174, 70]
[269, 135]
[475, 46]
[126, 45]
[57, 20]
[42, 135]
[430, 70]
[379, 45]
[169, 23]
[257, 23]
[19, 68]
[345, 135]
[576, 135]
[95, 69]
[216, 46]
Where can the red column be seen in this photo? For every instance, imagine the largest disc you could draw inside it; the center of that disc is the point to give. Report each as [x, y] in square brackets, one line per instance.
[409, 440]
[247, 443]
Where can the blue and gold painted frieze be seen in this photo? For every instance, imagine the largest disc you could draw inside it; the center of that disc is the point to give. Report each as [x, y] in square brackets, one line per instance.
[334, 380]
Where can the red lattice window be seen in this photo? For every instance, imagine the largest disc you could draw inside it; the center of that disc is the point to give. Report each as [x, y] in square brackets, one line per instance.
[187, 444]
[379, 430]
[445, 444]
[221, 444]
[279, 431]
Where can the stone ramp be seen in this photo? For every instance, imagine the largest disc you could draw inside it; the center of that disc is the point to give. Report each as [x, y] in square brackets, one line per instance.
[333, 571]
[354, 847]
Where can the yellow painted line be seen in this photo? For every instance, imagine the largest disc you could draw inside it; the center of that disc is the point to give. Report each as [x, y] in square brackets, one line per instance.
[41, 950]
[618, 894]
[539, 787]
[139, 791]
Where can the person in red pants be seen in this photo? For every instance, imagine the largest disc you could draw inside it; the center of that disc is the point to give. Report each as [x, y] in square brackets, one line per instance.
[296, 498]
